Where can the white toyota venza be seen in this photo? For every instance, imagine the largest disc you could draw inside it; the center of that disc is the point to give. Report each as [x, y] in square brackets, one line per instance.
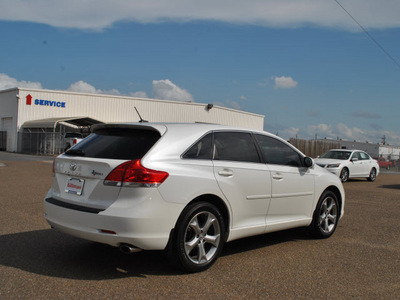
[188, 189]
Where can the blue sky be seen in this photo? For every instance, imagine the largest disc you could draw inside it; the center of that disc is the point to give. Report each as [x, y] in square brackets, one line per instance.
[304, 64]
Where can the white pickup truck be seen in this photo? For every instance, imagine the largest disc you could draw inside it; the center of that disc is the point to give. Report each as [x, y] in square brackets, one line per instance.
[71, 138]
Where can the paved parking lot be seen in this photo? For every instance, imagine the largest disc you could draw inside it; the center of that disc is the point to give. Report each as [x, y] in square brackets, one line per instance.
[360, 261]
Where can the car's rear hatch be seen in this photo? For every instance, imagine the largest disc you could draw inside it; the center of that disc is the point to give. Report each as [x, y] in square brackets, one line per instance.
[80, 172]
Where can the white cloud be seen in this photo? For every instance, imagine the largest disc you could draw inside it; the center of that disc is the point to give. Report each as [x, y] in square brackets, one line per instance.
[345, 132]
[114, 92]
[322, 130]
[339, 130]
[284, 82]
[7, 82]
[291, 131]
[83, 87]
[138, 94]
[162, 89]
[165, 89]
[100, 14]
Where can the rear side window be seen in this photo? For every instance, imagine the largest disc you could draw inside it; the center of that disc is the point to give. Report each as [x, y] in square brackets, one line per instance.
[235, 146]
[201, 149]
[277, 153]
[116, 143]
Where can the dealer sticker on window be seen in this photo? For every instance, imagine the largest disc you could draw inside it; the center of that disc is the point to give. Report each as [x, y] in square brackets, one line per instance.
[74, 186]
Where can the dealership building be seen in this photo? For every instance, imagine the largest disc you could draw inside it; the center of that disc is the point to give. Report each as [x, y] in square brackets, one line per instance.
[37, 121]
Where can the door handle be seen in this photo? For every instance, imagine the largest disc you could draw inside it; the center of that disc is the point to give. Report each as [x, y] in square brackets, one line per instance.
[225, 173]
[277, 176]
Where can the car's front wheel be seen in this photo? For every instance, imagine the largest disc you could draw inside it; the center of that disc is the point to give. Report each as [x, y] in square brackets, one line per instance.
[199, 237]
[372, 175]
[326, 216]
[344, 175]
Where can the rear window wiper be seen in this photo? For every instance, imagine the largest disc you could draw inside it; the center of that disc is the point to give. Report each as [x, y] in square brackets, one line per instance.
[75, 152]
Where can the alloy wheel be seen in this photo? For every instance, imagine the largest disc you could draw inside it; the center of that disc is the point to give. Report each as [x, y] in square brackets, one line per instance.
[202, 237]
[328, 215]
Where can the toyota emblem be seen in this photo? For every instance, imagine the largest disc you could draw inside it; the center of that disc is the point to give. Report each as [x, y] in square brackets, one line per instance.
[72, 166]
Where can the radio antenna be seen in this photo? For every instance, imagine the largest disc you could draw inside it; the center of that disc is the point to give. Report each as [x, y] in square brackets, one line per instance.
[140, 117]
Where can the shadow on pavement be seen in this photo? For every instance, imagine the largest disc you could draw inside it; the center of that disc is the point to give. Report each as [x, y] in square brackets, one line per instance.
[266, 240]
[390, 186]
[50, 253]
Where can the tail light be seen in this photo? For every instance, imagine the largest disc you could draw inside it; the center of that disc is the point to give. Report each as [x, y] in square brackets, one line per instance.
[75, 141]
[133, 174]
[54, 168]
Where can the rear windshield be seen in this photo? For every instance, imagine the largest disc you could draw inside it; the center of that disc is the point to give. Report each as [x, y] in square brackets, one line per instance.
[116, 143]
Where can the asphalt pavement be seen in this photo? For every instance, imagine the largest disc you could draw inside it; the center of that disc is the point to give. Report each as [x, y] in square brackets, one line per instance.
[360, 261]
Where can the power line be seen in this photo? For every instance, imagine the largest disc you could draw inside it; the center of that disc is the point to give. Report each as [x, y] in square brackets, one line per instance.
[369, 35]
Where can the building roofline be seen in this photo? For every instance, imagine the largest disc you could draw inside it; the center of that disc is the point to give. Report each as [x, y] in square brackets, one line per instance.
[129, 98]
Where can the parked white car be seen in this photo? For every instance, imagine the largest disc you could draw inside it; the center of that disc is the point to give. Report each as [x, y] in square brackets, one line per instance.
[349, 164]
[71, 138]
[188, 189]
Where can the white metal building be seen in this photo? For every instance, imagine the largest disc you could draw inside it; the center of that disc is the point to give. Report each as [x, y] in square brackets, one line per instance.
[32, 111]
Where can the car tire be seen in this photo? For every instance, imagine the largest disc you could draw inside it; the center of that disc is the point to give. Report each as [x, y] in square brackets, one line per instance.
[198, 237]
[326, 216]
[344, 175]
[372, 175]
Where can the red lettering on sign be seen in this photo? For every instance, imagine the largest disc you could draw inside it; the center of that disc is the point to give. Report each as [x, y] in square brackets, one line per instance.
[74, 186]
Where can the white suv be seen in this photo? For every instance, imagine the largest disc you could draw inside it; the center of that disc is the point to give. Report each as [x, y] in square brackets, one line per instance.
[188, 189]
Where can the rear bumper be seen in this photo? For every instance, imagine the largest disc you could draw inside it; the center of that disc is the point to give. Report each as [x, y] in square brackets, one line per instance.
[143, 224]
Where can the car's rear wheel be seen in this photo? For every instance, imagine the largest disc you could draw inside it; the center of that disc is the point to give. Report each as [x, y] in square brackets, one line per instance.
[344, 175]
[199, 237]
[326, 216]
[372, 175]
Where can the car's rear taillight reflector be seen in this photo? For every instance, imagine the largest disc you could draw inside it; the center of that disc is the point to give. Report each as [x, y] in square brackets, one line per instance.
[133, 174]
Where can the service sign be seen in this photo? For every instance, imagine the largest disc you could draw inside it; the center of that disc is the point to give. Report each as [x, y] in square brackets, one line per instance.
[42, 102]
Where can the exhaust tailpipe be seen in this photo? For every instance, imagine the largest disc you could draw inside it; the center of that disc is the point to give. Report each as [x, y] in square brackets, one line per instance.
[128, 249]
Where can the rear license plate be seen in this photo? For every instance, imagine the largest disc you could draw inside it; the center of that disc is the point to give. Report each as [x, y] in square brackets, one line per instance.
[74, 186]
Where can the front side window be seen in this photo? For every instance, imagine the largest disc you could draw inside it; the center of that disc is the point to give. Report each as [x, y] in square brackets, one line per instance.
[356, 155]
[277, 153]
[364, 156]
[235, 146]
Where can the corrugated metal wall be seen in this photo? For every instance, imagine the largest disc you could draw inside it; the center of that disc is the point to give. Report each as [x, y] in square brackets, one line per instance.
[122, 109]
[9, 116]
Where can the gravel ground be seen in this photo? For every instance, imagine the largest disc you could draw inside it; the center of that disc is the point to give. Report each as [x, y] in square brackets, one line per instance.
[360, 261]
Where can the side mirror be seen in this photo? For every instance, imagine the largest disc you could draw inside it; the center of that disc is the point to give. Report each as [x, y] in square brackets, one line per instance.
[308, 162]
[354, 159]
